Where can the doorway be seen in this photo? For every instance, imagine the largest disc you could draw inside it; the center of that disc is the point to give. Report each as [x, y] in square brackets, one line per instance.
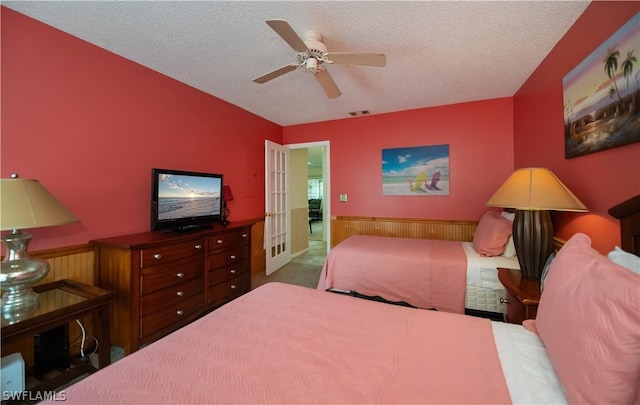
[318, 178]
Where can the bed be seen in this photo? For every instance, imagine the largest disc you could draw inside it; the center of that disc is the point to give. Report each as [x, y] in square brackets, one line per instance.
[445, 275]
[288, 344]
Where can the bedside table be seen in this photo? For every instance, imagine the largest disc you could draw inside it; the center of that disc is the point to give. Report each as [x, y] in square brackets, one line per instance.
[523, 295]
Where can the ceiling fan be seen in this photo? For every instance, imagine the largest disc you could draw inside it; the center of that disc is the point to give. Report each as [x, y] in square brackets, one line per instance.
[312, 55]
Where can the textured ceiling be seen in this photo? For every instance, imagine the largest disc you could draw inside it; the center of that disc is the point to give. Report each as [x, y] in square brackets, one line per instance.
[438, 52]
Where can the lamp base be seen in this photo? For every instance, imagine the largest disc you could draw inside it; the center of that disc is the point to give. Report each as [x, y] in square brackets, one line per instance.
[225, 215]
[533, 240]
[18, 272]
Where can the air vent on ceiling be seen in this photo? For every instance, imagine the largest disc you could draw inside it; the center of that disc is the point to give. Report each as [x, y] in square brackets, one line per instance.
[359, 113]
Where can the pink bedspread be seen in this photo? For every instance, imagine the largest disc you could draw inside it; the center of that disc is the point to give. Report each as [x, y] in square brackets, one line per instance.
[285, 344]
[424, 273]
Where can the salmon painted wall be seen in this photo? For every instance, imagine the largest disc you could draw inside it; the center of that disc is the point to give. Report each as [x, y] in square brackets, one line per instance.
[90, 125]
[480, 139]
[602, 179]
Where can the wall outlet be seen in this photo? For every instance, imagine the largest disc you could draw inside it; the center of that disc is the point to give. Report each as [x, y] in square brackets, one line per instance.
[343, 197]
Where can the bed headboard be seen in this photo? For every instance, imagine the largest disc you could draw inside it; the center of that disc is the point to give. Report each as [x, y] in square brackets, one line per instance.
[628, 212]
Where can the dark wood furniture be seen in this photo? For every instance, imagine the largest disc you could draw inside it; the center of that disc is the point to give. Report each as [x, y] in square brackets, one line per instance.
[628, 212]
[165, 280]
[62, 302]
[315, 209]
[523, 295]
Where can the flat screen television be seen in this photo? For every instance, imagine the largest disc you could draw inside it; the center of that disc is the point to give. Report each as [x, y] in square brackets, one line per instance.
[183, 201]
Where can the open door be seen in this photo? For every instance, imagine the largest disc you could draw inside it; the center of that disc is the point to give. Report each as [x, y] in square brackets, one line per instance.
[277, 238]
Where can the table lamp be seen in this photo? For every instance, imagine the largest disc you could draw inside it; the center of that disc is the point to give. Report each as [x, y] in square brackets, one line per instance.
[533, 192]
[24, 204]
[227, 195]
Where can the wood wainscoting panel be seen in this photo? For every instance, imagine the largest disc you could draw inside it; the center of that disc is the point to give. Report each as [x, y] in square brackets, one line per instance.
[74, 263]
[342, 227]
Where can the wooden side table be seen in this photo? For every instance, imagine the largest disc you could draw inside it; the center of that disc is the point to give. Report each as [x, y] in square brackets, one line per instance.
[62, 302]
[523, 295]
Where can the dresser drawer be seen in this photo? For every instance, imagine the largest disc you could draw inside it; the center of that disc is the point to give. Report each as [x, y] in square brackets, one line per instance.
[157, 255]
[170, 296]
[228, 257]
[227, 239]
[165, 277]
[228, 290]
[228, 272]
[172, 316]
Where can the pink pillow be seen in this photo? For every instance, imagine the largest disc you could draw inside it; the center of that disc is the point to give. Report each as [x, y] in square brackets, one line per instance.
[589, 322]
[492, 234]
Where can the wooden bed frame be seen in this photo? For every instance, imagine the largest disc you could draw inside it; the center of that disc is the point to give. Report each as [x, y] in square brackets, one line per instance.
[628, 212]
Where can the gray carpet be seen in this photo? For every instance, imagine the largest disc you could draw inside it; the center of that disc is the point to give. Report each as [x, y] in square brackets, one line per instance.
[303, 270]
[306, 275]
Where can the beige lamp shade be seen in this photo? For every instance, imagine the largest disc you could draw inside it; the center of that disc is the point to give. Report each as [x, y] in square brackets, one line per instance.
[535, 188]
[27, 204]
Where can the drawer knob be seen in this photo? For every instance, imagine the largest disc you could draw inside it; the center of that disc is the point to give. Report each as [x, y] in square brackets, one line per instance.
[233, 286]
[244, 235]
[232, 271]
[180, 275]
[180, 293]
[157, 256]
[179, 312]
[219, 241]
[504, 301]
[232, 257]
[198, 246]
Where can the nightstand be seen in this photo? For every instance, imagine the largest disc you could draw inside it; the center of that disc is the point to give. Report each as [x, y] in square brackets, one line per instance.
[523, 295]
[62, 302]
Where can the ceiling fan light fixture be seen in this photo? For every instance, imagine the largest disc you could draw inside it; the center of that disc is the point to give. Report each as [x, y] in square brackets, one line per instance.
[312, 65]
[311, 53]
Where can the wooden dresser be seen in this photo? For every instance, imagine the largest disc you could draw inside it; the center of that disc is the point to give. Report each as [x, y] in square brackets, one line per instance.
[164, 280]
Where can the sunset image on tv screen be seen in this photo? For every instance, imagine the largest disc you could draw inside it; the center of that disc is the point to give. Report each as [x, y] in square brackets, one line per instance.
[188, 196]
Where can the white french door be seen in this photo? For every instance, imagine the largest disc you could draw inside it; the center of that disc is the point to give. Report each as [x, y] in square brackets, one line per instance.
[277, 238]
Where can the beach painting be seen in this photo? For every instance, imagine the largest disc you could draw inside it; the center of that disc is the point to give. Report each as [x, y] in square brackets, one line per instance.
[416, 171]
[602, 93]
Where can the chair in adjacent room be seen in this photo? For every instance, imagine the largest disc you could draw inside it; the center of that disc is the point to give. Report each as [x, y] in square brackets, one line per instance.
[315, 209]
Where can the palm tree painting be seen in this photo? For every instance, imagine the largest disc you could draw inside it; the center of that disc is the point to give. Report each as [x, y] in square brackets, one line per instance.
[602, 93]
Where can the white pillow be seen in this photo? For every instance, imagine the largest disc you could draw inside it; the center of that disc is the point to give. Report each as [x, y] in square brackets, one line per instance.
[625, 259]
[509, 215]
[510, 248]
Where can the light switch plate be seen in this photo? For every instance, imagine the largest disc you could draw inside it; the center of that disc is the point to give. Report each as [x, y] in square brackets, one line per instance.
[343, 197]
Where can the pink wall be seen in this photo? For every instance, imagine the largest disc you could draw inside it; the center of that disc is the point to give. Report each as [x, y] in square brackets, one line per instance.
[600, 180]
[90, 125]
[480, 139]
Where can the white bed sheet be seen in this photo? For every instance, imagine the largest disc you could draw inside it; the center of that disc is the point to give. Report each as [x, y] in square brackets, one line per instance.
[482, 270]
[527, 368]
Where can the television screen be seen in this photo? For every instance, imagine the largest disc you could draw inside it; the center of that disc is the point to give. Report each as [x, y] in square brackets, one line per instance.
[184, 200]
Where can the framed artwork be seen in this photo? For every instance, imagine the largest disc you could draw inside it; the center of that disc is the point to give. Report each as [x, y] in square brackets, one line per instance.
[602, 95]
[416, 171]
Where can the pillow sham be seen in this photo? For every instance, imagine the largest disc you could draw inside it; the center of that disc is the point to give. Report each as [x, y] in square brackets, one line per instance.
[492, 234]
[510, 248]
[545, 270]
[625, 259]
[508, 215]
[589, 322]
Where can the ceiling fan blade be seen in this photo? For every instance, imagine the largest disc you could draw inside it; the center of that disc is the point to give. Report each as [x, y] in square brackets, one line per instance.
[327, 83]
[276, 73]
[287, 33]
[367, 59]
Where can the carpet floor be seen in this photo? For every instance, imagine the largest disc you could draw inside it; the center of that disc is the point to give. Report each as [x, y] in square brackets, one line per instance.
[303, 270]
